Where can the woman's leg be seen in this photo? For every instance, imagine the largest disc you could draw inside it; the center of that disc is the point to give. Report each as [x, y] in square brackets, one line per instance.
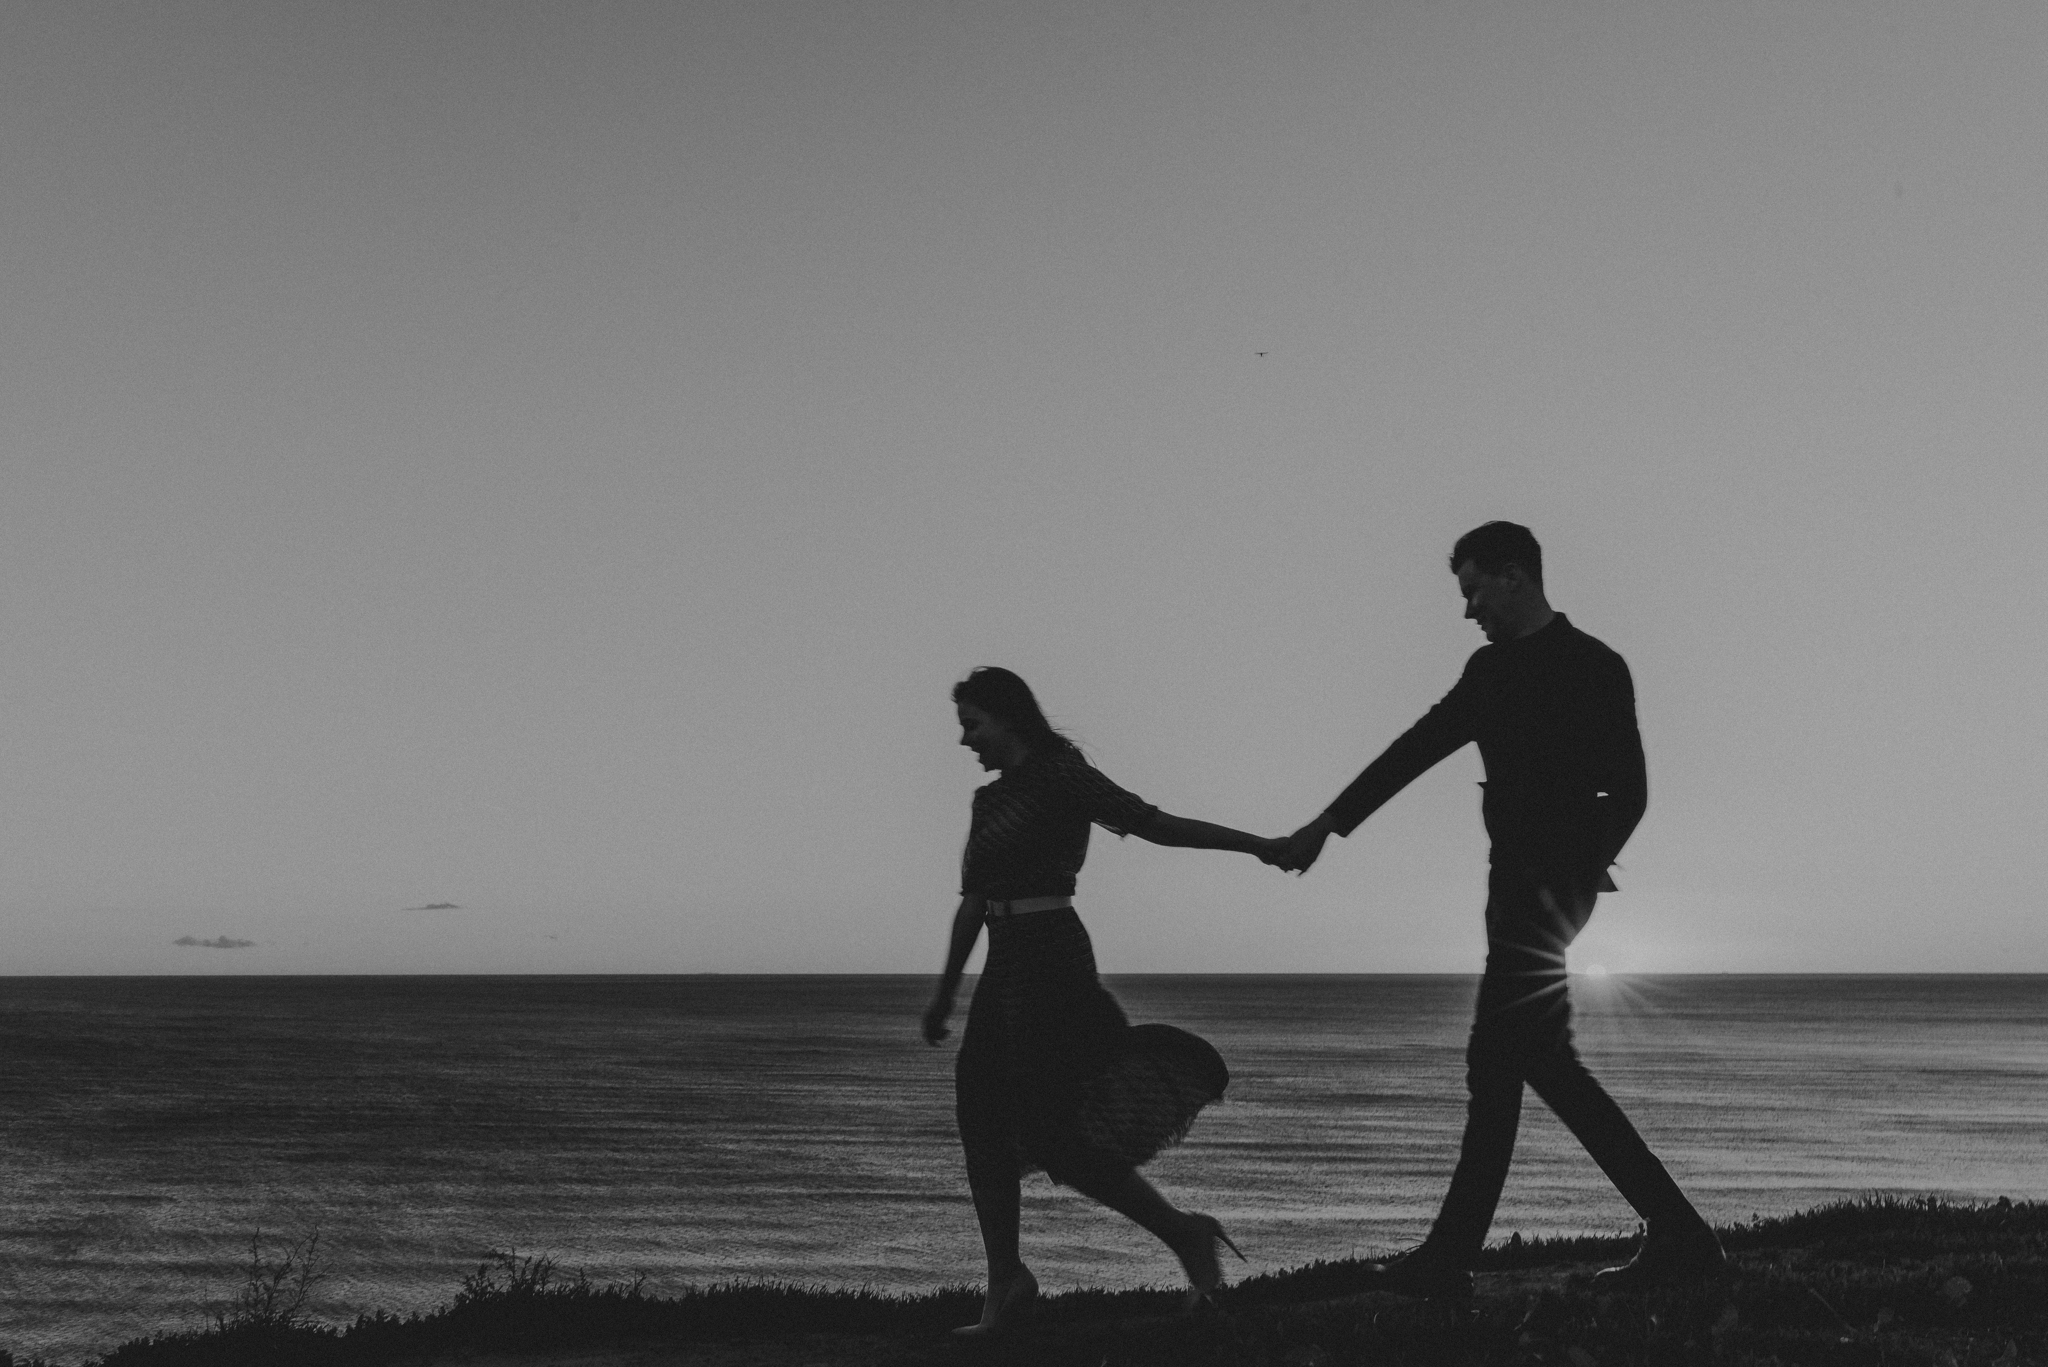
[997, 1199]
[1190, 1235]
[1011, 1286]
[993, 1176]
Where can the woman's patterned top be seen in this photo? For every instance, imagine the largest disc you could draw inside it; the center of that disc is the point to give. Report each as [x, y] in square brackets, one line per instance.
[1029, 834]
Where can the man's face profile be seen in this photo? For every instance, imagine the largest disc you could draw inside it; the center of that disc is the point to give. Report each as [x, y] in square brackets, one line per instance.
[1489, 598]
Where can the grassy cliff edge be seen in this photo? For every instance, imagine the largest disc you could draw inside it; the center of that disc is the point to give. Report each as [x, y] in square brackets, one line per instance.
[1879, 1281]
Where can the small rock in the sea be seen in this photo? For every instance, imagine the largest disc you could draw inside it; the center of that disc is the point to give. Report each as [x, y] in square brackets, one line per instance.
[1957, 1289]
[1730, 1317]
[1886, 1316]
[1580, 1357]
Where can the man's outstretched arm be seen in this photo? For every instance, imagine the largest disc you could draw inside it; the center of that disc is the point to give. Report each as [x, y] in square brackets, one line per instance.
[1441, 731]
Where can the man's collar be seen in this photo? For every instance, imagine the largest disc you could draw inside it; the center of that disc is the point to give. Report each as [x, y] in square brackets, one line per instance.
[1556, 619]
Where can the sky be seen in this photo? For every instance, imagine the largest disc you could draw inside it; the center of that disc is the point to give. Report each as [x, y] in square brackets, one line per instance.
[553, 461]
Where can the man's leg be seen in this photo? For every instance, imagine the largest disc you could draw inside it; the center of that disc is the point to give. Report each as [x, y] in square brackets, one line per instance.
[1523, 1009]
[1599, 1124]
[1522, 1031]
[1679, 1241]
[1560, 1077]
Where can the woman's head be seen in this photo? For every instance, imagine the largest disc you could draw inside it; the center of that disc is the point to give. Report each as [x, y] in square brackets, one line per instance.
[1006, 701]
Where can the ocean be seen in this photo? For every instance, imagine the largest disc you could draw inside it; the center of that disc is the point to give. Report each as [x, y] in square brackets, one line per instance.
[700, 1129]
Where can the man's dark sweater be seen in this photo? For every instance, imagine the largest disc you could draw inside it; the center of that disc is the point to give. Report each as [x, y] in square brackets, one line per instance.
[1554, 714]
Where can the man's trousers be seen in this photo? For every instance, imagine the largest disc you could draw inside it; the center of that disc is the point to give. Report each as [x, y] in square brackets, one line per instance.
[1522, 1032]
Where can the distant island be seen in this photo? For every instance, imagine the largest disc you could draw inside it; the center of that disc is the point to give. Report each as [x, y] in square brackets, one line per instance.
[218, 942]
[436, 906]
[1876, 1281]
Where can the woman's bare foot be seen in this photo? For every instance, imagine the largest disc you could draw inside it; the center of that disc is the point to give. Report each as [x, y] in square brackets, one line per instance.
[1005, 1303]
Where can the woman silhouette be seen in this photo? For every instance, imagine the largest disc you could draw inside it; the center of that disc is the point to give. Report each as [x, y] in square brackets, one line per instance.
[1051, 1075]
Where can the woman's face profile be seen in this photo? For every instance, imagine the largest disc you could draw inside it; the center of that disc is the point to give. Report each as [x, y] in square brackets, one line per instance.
[994, 744]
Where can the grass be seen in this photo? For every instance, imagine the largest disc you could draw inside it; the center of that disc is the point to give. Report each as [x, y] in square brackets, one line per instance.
[1890, 1283]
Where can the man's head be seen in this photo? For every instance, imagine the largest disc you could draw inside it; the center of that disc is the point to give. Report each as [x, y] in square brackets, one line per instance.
[1494, 546]
[1500, 573]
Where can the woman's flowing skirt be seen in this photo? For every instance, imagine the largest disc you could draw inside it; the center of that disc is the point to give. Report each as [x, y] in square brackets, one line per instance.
[1052, 1075]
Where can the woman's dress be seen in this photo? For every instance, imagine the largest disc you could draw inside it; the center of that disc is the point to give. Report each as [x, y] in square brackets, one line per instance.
[1051, 1074]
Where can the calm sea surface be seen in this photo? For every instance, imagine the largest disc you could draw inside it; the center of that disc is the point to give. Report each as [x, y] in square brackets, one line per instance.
[695, 1129]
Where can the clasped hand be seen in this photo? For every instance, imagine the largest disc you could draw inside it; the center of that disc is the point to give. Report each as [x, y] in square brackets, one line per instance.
[1294, 853]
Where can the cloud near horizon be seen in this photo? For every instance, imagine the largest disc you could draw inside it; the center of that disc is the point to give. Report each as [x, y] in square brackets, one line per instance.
[219, 942]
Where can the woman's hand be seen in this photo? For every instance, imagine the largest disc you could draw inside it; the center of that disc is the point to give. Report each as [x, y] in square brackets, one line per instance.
[1304, 846]
[935, 1017]
[1273, 852]
[966, 930]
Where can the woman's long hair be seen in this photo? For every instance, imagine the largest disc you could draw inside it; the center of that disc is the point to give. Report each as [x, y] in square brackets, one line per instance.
[1009, 700]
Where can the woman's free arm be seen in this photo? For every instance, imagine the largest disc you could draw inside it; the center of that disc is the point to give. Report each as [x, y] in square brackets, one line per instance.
[966, 930]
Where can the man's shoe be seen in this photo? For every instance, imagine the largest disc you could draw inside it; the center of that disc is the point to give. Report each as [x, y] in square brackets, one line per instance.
[1665, 1257]
[1422, 1272]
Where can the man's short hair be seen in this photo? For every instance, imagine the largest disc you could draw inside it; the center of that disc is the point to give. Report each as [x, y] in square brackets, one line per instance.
[1494, 546]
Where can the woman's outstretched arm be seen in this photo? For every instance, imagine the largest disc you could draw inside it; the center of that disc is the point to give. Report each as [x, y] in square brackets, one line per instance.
[1188, 833]
[966, 930]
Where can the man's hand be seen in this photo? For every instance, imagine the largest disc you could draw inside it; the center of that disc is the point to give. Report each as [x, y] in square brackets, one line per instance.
[935, 1017]
[1305, 846]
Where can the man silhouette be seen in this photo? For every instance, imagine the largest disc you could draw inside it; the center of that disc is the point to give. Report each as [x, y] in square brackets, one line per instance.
[1553, 712]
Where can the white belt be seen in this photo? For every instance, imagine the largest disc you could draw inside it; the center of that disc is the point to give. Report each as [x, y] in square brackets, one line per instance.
[1021, 905]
